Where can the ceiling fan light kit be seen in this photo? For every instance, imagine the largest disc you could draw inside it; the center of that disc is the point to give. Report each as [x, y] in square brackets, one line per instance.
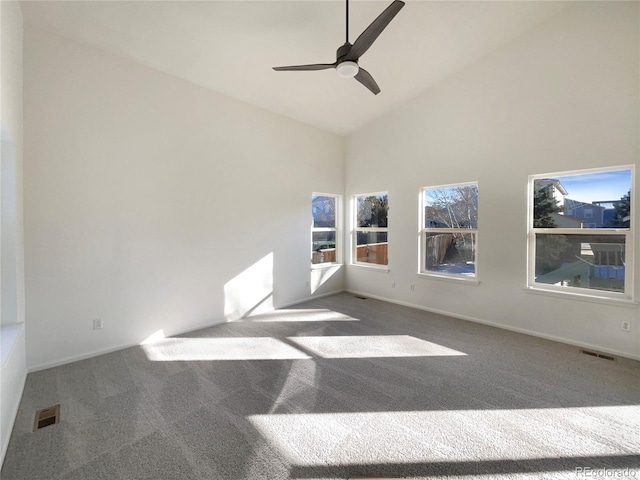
[347, 56]
[347, 69]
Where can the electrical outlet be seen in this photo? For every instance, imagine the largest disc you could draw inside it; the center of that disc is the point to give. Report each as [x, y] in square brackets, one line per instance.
[412, 288]
[393, 284]
[625, 326]
[97, 324]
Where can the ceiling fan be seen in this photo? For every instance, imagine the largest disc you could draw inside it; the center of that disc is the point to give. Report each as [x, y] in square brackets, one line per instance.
[347, 55]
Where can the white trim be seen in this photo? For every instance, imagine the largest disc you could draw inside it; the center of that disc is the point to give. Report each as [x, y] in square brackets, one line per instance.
[579, 296]
[372, 194]
[524, 331]
[354, 229]
[582, 231]
[13, 417]
[371, 266]
[321, 266]
[372, 230]
[309, 298]
[586, 294]
[454, 278]
[580, 171]
[15, 331]
[423, 231]
[449, 185]
[337, 229]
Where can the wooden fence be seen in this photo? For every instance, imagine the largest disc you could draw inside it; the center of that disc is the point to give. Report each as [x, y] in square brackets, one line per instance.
[373, 253]
[437, 248]
[326, 255]
[376, 253]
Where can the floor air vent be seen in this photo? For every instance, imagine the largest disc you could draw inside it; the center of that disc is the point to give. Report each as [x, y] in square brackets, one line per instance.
[598, 355]
[360, 297]
[46, 417]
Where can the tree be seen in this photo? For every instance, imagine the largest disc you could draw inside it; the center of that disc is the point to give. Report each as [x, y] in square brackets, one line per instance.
[452, 207]
[550, 249]
[372, 211]
[544, 205]
[622, 215]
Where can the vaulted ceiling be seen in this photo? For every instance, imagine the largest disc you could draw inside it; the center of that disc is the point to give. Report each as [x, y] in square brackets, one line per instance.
[231, 46]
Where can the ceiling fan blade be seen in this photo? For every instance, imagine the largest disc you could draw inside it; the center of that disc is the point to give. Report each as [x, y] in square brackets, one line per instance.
[367, 80]
[366, 38]
[315, 66]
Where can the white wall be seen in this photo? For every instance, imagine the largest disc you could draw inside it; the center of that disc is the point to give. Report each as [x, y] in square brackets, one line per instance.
[146, 198]
[13, 369]
[564, 96]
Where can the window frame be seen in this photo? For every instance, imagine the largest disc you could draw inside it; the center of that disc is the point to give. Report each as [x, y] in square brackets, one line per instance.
[355, 229]
[337, 229]
[424, 231]
[587, 293]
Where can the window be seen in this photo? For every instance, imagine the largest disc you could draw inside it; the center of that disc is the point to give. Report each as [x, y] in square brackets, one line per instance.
[370, 236]
[324, 229]
[449, 225]
[572, 256]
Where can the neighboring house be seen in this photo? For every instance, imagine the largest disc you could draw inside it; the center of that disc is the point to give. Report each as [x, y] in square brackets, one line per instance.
[609, 214]
[557, 190]
[564, 221]
[591, 215]
[324, 214]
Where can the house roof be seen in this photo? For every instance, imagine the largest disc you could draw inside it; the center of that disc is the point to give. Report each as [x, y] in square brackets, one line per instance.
[556, 183]
[573, 204]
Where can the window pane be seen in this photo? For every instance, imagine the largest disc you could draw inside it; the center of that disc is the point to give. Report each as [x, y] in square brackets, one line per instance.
[324, 247]
[584, 261]
[324, 211]
[371, 247]
[453, 253]
[451, 207]
[372, 210]
[588, 200]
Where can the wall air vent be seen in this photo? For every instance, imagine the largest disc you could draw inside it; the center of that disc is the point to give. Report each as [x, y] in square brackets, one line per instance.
[598, 355]
[46, 417]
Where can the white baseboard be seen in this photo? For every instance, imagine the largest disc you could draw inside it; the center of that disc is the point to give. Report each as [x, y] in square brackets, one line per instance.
[312, 297]
[7, 363]
[14, 415]
[95, 353]
[525, 331]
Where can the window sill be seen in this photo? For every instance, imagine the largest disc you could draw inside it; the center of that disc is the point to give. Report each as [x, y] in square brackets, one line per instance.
[618, 302]
[376, 268]
[324, 266]
[446, 278]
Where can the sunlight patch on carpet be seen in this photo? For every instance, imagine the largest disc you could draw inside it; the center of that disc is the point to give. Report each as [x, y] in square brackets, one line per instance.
[415, 437]
[372, 346]
[234, 348]
[300, 315]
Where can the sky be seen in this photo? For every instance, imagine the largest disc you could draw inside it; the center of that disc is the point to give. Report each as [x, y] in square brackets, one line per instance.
[594, 187]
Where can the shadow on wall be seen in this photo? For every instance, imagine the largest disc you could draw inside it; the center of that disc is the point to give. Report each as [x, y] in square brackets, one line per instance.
[320, 276]
[250, 292]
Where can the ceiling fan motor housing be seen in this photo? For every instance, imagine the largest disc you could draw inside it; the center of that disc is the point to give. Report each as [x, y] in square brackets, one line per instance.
[343, 51]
